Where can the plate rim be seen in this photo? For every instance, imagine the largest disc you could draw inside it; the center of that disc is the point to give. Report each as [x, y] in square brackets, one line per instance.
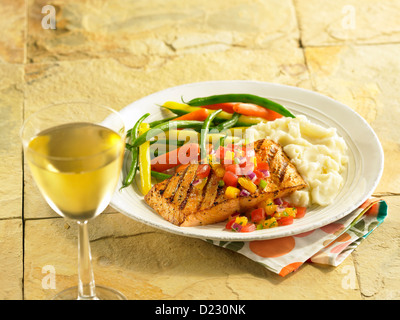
[230, 236]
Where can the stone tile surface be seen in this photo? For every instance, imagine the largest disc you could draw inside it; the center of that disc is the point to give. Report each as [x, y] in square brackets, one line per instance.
[365, 79]
[11, 113]
[13, 31]
[115, 52]
[115, 82]
[145, 263]
[93, 29]
[377, 260]
[348, 21]
[11, 259]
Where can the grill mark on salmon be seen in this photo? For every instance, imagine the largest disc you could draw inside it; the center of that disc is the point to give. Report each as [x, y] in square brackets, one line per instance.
[271, 155]
[219, 196]
[282, 172]
[189, 189]
[210, 192]
[203, 194]
[183, 185]
[181, 203]
[193, 200]
[257, 145]
[171, 185]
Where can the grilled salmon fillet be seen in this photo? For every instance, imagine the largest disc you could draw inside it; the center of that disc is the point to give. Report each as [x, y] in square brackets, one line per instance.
[179, 202]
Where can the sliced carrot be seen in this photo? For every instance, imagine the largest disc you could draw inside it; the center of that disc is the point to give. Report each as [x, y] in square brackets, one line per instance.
[273, 115]
[226, 106]
[182, 167]
[247, 109]
[183, 155]
[199, 115]
[253, 110]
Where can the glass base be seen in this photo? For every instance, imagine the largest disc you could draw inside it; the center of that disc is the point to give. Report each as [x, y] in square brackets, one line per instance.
[102, 293]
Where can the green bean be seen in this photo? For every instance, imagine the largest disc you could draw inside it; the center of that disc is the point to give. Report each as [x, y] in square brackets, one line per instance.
[204, 132]
[133, 168]
[241, 97]
[167, 142]
[166, 126]
[159, 175]
[157, 122]
[228, 123]
[135, 152]
[222, 141]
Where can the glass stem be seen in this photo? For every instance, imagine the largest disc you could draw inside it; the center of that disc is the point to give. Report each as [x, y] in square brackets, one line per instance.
[86, 286]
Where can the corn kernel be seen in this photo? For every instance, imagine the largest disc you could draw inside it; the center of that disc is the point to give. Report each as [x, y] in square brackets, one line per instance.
[247, 184]
[219, 170]
[241, 220]
[270, 209]
[291, 212]
[288, 212]
[270, 223]
[232, 192]
[265, 203]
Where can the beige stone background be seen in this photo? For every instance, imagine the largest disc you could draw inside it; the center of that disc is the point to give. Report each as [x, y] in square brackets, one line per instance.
[118, 51]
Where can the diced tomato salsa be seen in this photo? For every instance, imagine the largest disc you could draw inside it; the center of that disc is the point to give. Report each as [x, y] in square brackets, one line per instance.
[266, 215]
[238, 167]
[241, 173]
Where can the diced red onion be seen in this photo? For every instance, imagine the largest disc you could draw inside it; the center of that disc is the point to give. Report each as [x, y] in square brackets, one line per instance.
[237, 227]
[265, 172]
[244, 193]
[252, 176]
[278, 201]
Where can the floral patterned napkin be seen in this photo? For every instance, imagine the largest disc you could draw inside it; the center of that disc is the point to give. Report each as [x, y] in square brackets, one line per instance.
[328, 245]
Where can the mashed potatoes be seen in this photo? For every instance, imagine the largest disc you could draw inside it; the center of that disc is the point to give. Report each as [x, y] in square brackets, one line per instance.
[318, 153]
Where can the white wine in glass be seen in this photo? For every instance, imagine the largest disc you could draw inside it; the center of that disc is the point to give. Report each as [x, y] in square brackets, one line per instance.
[75, 151]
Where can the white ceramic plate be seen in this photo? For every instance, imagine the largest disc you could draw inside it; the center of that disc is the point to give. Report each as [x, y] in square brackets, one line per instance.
[364, 169]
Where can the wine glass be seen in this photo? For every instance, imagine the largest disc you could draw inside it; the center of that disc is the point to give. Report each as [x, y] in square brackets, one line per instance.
[75, 151]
